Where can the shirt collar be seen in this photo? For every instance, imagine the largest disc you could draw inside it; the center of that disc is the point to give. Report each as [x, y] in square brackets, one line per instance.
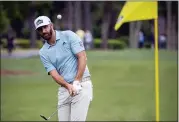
[57, 39]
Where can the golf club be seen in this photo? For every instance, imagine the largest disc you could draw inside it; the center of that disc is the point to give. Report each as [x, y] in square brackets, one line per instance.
[49, 116]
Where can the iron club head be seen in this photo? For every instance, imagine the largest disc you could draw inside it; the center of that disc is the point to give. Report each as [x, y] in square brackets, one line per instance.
[43, 117]
[49, 116]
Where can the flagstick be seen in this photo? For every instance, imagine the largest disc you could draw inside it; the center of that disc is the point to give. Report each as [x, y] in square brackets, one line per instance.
[156, 70]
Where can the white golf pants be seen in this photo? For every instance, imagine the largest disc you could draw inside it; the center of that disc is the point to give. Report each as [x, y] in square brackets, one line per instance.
[75, 108]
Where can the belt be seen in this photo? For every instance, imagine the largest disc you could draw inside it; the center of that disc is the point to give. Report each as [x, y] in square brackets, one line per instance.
[85, 79]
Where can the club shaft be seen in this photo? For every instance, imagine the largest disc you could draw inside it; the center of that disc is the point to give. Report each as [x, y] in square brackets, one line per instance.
[52, 114]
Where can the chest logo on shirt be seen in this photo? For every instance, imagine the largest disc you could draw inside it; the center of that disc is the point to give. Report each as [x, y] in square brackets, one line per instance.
[64, 43]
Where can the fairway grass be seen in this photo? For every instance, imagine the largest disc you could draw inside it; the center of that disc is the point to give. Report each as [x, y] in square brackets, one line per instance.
[123, 82]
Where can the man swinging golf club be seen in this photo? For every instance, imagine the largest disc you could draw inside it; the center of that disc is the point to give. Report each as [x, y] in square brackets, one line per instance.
[64, 58]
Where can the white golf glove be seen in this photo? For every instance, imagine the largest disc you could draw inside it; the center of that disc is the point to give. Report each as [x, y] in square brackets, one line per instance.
[77, 86]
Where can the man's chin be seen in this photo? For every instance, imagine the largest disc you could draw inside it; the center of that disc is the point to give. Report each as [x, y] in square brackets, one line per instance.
[46, 38]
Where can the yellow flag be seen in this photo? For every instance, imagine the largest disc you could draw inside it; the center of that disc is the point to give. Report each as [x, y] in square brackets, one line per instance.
[133, 11]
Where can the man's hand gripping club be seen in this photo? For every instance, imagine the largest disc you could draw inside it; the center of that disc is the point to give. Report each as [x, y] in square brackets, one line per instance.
[77, 86]
[74, 88]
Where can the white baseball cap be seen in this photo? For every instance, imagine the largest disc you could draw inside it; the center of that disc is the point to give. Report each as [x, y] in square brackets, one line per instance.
[41, 21]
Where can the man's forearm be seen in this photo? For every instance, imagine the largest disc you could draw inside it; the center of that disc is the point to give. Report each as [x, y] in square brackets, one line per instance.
[81, 67]
[59, 79]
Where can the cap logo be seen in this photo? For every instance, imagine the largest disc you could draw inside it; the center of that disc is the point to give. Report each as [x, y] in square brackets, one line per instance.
[39, 22]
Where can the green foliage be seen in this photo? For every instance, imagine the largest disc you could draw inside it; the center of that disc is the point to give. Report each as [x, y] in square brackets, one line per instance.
[147, 44]
[23, 43]
[97, 31]
[26, 32]
[119, 43]
[4, 21]
[97, 43]
[125, 39]
[112, 43]
[146, 27]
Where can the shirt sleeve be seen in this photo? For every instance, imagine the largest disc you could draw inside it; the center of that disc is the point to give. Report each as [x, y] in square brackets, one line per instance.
[46, 63]
[76, 43]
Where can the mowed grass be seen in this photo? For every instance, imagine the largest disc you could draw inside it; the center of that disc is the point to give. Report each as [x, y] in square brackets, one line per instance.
[123, 82]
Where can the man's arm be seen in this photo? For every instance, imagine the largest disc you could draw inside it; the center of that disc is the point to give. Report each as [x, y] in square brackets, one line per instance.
[51, 70]
[58, 78]
[81, 65]
[78, 50]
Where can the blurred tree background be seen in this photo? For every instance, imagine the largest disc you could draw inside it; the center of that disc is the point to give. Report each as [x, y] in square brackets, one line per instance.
[97, 16]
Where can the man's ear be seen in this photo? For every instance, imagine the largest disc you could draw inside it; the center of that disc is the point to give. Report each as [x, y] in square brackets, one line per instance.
[52, 26]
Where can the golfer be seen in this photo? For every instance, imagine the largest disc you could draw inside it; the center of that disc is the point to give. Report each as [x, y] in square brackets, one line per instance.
[63, 57]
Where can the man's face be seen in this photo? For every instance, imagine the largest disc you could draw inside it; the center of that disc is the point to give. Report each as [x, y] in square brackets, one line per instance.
[45, 31]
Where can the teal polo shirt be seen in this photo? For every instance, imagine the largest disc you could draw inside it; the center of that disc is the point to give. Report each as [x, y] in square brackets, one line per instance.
[62, 55]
